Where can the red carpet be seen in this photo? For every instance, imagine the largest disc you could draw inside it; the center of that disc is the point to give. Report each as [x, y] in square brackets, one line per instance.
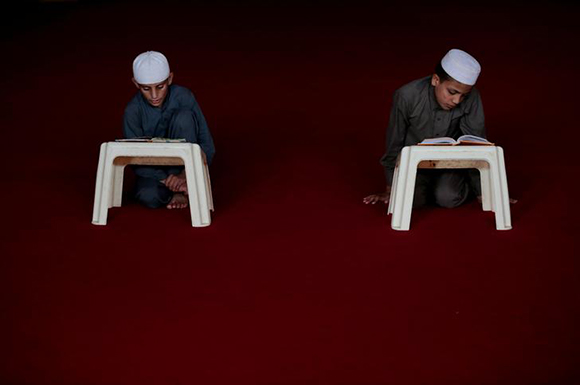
[296, 281]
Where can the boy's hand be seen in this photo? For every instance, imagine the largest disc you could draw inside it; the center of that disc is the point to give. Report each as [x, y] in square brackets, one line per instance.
[176, 183]
[381, 197]
[512, 200]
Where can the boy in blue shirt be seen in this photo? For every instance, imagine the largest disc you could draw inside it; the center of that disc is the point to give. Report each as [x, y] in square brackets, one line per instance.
[162, 109]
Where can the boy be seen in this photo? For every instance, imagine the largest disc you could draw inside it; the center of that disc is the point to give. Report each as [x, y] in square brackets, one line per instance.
[443, 104]
[162, 109]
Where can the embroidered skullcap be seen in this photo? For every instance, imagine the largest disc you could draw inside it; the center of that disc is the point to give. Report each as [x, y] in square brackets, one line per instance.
[461, 66]
[150, 67]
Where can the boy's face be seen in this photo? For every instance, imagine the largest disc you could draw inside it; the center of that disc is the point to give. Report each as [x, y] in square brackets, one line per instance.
[450, 92]
[156, 93]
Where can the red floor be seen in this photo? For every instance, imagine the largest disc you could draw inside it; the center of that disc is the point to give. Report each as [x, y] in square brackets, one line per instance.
[296, 281]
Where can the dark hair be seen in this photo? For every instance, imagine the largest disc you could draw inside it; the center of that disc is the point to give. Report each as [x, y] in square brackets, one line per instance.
[439, 71]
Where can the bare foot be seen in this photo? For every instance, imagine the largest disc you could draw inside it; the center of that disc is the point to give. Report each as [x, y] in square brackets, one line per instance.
[178, 201]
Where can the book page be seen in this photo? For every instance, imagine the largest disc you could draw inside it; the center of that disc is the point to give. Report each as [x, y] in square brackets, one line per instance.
[131, 140]
[151, 140]
[167, 140]
[473, 140]
[443, 141]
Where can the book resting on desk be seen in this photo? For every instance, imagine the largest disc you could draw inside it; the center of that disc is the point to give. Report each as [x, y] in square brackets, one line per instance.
[466, 140]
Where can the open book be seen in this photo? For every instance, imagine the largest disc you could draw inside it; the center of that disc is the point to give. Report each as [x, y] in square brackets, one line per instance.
[146, 139]
[468, 140]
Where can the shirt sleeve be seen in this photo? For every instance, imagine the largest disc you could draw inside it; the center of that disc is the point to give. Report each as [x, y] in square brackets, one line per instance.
[204, 137]
[185, 99]
[473, 121]
[396, 133]
[132, 124]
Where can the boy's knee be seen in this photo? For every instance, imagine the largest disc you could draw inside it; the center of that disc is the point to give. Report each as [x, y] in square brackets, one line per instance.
[422, 185]
[183, 118]
[451, 189]
[449, 197]
[149, 197]
[152, 195]
[419, 199]
[183, 125]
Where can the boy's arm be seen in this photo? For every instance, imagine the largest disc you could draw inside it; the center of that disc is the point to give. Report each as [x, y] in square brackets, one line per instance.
[473, 122]
[204, 138]
[396, 133]
[203, 134]
[132, 125]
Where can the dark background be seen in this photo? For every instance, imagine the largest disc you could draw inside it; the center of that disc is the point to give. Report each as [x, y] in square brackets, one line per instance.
[296, 281]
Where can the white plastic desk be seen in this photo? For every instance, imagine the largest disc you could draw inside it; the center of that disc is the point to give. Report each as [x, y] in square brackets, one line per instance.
[114, 156]
[489, 160]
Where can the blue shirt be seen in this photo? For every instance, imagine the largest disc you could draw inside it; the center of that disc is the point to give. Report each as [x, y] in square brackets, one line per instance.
[141, 119]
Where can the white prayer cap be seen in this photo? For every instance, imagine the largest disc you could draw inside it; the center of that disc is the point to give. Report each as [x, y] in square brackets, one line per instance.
[150, 67]
[461, 66]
